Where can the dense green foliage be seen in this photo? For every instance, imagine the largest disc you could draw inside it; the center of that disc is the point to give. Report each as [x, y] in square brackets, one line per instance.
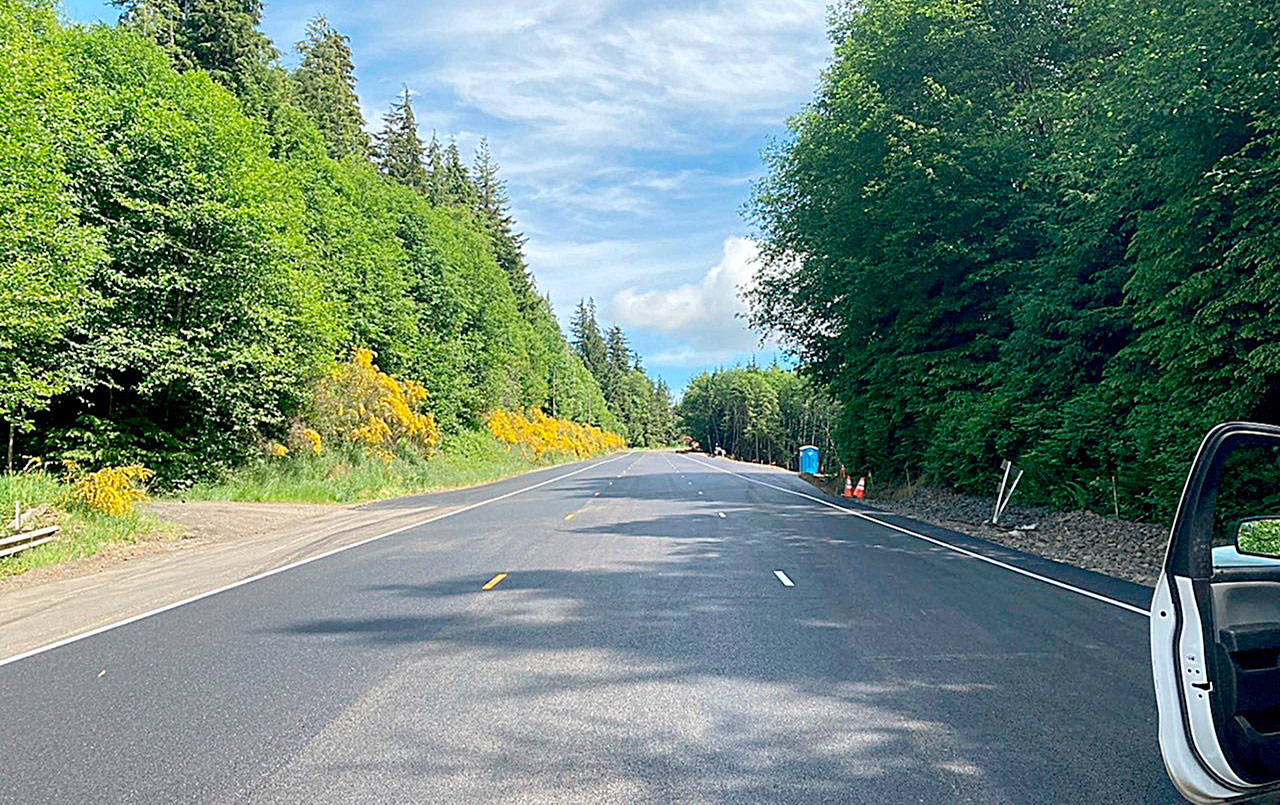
[641, 407]
[1034, 230]
[763, 415]
[45, 251]
[220, 37]
[193, 235]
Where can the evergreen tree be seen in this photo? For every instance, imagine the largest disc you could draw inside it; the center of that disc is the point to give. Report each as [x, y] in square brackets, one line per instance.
[218, 36]
[619, 352]
[508, 245]
[491, 191]
[661, 416]
[397, 148]
[588, 341]
[455, 181]
[158, 20]
[326, 89]
[435, 171]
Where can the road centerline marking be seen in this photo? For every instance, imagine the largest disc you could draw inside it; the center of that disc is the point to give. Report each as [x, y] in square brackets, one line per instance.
[965, 551]
[784, 578]
[494, 582]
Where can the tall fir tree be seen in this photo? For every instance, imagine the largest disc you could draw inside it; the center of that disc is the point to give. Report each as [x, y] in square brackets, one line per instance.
[456, 182]
[158, 20]
[491, 192]
[619, 352]
[508, 245]
[435, 171]
[326, 89]
[588, 341]
[218, 36]
[397, 148]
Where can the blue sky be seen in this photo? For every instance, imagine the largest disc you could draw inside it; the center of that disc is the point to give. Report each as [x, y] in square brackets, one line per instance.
[629, 134]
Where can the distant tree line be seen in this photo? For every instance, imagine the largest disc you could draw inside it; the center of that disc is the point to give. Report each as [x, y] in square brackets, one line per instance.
[641, 406]
[1042, 230]
[763, 415]
[192, 234]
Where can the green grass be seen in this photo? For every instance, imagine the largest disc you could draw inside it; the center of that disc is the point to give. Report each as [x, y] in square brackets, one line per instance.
[467, 458]
[83, 533]
[464, 459]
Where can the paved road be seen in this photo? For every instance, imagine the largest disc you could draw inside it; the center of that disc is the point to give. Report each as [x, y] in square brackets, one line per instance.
[642, 648]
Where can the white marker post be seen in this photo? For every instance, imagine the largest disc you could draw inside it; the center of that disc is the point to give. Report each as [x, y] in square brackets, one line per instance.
[1002, 498]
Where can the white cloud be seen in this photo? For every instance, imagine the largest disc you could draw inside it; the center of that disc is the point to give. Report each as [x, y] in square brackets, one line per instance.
[706, 315]
[594, 73]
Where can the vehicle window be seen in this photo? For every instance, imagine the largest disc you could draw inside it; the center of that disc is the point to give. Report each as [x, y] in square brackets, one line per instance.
[1247, 513]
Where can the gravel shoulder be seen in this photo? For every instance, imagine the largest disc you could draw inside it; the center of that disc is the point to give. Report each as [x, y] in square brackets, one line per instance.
[1121, 548]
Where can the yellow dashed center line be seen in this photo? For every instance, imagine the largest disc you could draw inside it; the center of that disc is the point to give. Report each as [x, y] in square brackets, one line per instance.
[493, 582]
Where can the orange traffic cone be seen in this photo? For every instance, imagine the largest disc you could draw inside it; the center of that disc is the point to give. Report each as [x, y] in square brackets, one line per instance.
[848, 487]
[860, 491]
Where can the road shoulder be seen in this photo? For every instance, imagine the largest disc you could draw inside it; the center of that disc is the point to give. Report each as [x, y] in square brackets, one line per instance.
[42, 611]
[1127, 592]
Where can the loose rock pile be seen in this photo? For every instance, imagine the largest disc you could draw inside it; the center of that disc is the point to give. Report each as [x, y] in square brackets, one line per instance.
[1122, 548]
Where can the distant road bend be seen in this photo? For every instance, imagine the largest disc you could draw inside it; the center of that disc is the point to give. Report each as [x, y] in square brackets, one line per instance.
[649, 627]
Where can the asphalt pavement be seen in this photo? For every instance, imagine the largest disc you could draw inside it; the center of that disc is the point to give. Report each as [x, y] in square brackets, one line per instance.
[669, 628]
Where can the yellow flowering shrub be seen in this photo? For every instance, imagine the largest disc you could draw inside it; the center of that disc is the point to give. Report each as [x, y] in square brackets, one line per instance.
[313, 440]
[357, 403]
[276, 450]
[111, 490]
[541, 434]
[304, 439]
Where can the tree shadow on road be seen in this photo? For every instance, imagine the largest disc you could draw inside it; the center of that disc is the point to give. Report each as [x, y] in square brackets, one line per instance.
[698, 677]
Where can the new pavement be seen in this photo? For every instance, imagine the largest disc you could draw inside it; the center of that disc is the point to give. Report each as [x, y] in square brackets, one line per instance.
[670, 628]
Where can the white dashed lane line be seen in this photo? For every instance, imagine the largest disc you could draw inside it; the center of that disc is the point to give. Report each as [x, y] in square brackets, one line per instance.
[782, 577]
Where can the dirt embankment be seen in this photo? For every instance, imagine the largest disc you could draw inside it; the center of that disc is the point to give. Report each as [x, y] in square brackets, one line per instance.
[1122, 548]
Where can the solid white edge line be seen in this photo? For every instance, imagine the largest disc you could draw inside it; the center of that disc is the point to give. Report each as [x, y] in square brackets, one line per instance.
[782, 577]
[199, 596]
[1029, 574]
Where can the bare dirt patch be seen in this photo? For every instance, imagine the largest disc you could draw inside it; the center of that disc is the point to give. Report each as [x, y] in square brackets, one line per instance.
[182, 525]
[217, 519]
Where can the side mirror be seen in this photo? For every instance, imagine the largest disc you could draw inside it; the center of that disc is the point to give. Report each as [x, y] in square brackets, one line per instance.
[1258, 536]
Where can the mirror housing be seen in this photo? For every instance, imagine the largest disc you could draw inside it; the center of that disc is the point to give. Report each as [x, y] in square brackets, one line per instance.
[1257, 536]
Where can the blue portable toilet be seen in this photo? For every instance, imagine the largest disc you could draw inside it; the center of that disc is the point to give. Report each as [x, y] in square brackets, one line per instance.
[809, 459]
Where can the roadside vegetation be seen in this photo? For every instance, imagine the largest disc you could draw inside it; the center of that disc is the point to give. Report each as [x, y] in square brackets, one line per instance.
[210, 272]
[1041, 231]
[464, 458]
[762, 415]
[92, 515]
